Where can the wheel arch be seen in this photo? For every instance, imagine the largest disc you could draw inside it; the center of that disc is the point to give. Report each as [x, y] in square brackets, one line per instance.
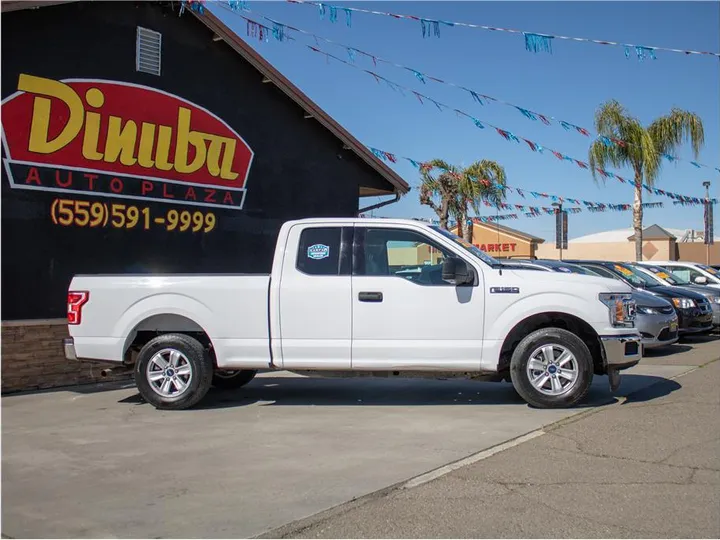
[163, 323]
[552, 319]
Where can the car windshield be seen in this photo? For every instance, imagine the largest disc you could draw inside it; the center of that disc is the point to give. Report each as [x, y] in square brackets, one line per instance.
[710, 270]
[467, 246]
[636, 277]
[672, 279]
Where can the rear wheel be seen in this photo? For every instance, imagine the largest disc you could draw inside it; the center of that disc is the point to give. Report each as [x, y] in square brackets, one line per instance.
[173, 371]
[232, 379]
[552, 368]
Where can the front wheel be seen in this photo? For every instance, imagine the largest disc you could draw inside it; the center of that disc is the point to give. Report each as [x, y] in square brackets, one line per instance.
[173, 371]
[552, 368]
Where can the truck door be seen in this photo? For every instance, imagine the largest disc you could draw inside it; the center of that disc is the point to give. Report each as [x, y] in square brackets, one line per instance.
[315, 304]
[403, 313]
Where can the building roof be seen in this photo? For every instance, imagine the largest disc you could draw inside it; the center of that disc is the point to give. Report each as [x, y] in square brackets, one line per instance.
[510, 232]
[271, 75]
[652, 232]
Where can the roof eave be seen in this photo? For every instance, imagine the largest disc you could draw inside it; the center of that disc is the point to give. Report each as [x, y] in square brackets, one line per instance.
[273, 75]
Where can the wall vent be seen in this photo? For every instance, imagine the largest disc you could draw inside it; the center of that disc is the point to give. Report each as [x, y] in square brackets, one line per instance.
[148, 50]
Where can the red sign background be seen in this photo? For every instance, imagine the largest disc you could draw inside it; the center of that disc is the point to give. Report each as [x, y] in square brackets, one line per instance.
[129, 102]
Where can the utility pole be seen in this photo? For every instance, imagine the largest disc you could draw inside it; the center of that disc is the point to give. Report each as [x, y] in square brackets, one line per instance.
[560, 228]
[709, 240]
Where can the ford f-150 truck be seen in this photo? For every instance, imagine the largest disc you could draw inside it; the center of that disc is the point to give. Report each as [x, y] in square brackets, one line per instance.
[348, 295]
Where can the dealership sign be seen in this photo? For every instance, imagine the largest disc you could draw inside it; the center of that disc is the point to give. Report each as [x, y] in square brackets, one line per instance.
[121, 140]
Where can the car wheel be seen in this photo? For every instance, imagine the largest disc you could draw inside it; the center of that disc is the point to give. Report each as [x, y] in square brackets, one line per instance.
[232, 379]
[173, 371]
[552, 368]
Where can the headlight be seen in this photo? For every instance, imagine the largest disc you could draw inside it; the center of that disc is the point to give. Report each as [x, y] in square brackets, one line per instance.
[646, 310]
[621, 307]
[683, 303]
[714, 299]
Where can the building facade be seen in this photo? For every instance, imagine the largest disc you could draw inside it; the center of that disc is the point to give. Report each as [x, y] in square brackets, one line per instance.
[137, 139]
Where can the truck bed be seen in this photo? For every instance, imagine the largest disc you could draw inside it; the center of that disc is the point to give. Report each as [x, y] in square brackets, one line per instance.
[232, 308]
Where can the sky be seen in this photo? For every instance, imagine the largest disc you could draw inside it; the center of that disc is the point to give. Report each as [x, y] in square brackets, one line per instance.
[569, 84]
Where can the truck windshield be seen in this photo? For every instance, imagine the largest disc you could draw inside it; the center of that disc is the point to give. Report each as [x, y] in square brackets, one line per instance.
[477, 252]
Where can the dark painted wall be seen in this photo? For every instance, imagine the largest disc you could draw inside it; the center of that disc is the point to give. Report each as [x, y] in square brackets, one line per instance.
[299, 168]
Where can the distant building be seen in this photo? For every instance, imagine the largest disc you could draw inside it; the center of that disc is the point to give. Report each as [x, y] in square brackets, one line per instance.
[503, 242]
[659, 244]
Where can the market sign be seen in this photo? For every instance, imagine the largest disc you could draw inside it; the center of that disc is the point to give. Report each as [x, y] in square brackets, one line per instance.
[121, 140]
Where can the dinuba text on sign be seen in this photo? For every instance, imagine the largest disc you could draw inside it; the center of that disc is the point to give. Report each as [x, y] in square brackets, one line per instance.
[497, 248]
[124, 140]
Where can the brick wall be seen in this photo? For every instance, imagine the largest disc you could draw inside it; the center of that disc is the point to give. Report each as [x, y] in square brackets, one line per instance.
[33, 358]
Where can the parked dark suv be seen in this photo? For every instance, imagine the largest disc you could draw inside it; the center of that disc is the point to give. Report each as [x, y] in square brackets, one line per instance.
[693, 309]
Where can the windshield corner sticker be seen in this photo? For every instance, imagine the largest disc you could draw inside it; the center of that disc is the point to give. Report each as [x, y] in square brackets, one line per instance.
[623, 270]
[318, 251]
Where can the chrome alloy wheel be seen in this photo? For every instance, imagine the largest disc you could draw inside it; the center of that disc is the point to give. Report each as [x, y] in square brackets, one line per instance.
[552, 369]
[169, 373]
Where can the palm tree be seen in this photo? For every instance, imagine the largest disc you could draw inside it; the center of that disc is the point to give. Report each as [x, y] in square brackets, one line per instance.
[480, 181]
[454, 190]
[641, 148]
[439, 192]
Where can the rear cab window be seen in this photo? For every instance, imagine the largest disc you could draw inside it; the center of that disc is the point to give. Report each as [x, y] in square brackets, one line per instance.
[319, 251]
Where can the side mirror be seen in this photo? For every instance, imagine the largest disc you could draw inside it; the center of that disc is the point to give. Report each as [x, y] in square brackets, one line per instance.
[457, 272]
[701, 280]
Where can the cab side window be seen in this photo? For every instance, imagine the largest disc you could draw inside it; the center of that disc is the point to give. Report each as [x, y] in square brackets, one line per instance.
[398, 253]
[319, 251]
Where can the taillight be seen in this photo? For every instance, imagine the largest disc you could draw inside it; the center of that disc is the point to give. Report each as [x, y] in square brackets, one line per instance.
[75, 301]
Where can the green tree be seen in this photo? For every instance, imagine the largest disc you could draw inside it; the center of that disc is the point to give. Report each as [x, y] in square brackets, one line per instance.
[452, 191]
[481, 181]
[641, 148]
[439, 191]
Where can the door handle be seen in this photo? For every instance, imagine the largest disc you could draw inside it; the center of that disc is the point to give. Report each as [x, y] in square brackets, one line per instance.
[370, 296]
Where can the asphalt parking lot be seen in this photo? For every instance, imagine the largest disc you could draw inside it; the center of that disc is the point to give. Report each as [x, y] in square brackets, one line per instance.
[90, 462]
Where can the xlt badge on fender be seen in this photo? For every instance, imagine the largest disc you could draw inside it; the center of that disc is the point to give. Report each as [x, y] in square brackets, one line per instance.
[504, 290]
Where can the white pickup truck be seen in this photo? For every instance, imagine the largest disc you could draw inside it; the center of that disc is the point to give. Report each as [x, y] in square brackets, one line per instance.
[373, 295]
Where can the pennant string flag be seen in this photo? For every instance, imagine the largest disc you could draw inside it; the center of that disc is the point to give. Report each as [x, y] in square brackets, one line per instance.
[280, 29]
[534, 42]
[421, 165]
[534, 211]
[505, 134]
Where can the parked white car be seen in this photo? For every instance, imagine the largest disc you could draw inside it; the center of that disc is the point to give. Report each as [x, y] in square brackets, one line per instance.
[697, 273]
[339, 298]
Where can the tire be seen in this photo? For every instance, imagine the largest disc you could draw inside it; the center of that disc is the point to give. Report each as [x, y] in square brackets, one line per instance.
[232, 379]
[579, 368]
[173, 389]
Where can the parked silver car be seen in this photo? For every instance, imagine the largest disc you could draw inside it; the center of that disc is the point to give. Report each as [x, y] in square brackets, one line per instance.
[656, 318]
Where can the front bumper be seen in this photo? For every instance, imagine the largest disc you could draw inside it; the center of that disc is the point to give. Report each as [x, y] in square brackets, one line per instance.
[623, 351]
[658, 329]
[693, 321]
